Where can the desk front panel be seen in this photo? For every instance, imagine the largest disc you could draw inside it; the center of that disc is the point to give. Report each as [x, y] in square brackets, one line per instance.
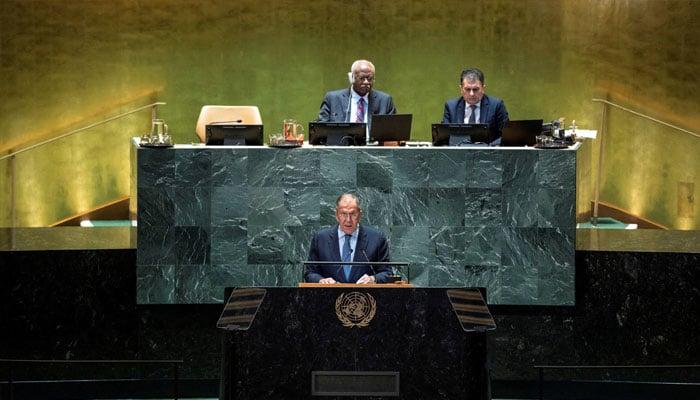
[298, 331]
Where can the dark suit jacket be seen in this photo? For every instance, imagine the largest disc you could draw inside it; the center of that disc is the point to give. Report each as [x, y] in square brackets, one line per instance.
[336, 106]
[371, 246]
[493, 113]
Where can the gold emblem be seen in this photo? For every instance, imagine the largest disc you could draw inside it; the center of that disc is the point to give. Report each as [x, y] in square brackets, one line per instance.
[355, 309]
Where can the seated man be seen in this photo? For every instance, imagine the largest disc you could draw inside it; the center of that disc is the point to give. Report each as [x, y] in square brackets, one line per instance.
[476, 107]
[359, 102]
[348, 241]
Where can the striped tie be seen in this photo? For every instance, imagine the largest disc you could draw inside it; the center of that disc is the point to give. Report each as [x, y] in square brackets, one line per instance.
[360, 115]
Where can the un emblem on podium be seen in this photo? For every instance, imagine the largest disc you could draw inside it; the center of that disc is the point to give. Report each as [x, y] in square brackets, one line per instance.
[355, 309]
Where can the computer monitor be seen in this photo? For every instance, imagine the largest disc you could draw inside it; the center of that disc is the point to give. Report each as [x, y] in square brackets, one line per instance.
[234, 135]
[337, 133]
[461, 134]
[391, 127]
[520, 133]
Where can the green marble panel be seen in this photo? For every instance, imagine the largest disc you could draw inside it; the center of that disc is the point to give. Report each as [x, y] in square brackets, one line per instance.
[234, 216]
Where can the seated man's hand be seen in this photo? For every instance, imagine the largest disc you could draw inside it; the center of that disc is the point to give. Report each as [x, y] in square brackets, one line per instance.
[327, 280]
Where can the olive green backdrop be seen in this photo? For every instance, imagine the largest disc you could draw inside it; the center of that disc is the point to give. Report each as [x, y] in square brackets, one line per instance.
[67, 65]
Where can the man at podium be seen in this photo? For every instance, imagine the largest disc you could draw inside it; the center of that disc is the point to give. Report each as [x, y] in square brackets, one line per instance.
[349, 242]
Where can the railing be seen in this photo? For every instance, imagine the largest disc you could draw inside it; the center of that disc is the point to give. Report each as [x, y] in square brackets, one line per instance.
[152, 106]
[542, 368]
[11, 364]
[12, 154]
[594, 219]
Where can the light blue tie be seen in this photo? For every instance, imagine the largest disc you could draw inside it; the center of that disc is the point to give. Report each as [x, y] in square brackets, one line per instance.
[345, 256]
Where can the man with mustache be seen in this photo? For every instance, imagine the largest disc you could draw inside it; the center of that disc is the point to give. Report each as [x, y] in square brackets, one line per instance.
[358, 102]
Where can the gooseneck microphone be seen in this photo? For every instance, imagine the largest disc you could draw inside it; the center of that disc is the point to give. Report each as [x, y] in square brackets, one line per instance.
[370, 266]
[347, 112]
[235, 121]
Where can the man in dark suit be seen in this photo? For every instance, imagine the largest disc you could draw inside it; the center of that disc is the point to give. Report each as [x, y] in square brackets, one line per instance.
[358, 102]
[350, 239]
[475, 106]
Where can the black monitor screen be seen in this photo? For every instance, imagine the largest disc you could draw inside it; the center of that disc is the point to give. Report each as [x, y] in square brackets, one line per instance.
[338, 133]
[521, 132]
[391, 127]
[234, 135]
[460, 134]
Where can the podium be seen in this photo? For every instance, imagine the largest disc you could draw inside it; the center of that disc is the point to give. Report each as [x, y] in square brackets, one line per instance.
[354, 340]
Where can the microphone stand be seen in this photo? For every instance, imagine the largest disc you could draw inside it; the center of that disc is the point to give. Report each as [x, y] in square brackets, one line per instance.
[347, 112]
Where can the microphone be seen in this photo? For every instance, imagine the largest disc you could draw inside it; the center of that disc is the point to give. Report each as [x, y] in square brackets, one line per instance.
[390, 279]
[347, 112]
[235, 121]
[370, 266]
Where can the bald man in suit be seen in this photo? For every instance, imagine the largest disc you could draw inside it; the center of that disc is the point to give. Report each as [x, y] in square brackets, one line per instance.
[342, 105]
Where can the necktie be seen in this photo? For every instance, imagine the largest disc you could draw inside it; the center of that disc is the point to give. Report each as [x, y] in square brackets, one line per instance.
[472, 117]
[360, 114]
[345, 256]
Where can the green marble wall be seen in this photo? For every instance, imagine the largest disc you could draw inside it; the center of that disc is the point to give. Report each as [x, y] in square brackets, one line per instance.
[230, 216]
[69, 64]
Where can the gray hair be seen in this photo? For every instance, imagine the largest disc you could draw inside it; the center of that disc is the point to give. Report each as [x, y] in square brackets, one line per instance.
[357, 63]
[350, 195]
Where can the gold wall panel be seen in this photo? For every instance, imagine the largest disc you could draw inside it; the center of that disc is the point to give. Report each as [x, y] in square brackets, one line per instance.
[68, 64]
